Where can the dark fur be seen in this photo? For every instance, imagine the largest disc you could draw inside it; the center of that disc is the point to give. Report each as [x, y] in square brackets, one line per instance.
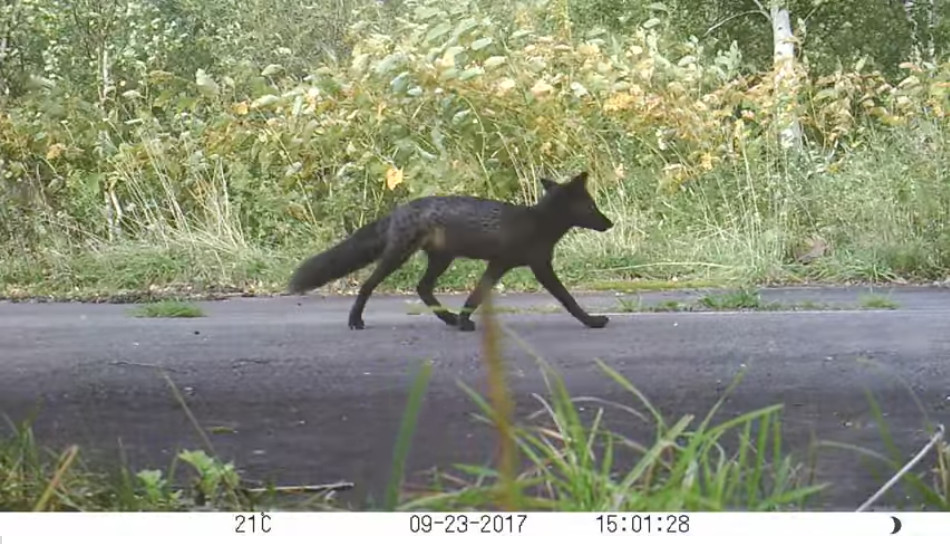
[449, 227]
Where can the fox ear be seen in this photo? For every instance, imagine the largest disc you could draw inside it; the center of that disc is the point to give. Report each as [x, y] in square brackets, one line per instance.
[579, 179]
[548, 184]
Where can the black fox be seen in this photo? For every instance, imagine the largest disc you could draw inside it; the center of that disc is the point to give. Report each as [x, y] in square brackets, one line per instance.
[448, 227]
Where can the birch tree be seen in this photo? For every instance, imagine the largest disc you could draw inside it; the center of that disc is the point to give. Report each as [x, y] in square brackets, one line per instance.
[784, 72]
[925, 44]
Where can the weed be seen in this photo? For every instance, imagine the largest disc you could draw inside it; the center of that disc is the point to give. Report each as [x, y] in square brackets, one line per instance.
[169, 308]
[743, 299]
[877, 302]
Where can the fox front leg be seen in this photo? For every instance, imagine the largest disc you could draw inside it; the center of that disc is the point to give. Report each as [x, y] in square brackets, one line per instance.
[544, 272]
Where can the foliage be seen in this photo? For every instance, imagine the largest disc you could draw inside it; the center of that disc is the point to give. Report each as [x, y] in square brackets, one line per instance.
[197, 129]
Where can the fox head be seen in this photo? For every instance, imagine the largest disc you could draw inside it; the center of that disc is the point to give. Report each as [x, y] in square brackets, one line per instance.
[575, 202]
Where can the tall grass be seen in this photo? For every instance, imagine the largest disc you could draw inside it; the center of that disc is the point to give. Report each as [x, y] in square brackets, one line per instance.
[575, 463]
[880, 215]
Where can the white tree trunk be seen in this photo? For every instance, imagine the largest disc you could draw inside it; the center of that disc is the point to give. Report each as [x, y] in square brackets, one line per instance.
[931, 31]
[786, 79]
[910, 6]
[925, 47]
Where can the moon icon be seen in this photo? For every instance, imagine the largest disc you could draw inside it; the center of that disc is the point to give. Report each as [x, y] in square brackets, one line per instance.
[897, 525]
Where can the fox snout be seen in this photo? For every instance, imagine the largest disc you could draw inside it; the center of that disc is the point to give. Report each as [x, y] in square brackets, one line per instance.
[594, 219]
[589, 217]
[601, 224]
[604, 224]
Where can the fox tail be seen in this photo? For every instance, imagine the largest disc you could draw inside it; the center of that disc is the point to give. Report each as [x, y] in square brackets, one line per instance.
[359, 250]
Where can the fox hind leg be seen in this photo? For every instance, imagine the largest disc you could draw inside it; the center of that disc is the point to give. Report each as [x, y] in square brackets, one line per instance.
[493, 272]
[438, 264]
[391, 260]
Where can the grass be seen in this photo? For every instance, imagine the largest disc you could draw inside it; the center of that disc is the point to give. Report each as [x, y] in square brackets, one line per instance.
[743, 299]
[878, 302]
[627, 305]
[169, 308]
[565, 456]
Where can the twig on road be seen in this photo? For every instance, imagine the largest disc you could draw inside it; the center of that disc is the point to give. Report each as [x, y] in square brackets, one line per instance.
[318, 488]
[937, 436]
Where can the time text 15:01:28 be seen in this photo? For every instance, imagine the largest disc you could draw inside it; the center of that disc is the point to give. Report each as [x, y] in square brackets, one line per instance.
[643, 523]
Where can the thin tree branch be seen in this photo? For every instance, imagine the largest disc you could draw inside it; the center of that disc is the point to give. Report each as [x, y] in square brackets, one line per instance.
[762, 9]
[727, 19]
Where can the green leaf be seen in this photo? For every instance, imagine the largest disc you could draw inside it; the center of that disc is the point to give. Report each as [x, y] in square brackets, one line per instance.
[438, 138]
[464, 26]
[481, 43]
[424, 13]
[471, 72]
[272, 69]
[389, 63]
[826, 93]
[400, 82]
[205, 83]
[37, 81]
[458, 117]
[264, 101]
[860, 64]
[686, 60]
[652, 22]
[438, 31]
[493, 62]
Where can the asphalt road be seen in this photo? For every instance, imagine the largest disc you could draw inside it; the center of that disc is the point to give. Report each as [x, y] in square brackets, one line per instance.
[310, 401]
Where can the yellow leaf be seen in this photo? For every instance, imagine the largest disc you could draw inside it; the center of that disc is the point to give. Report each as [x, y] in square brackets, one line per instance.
[503, 86]
[588, 49]
[909, 81]
[297, 211]
[240, 108]
[55, 151]
[447, 60]
[675, 87]
[541, 88]
[313, 94]
[393, 177]
[618, 102]
[673, 176]
[492, 62]
[706, 161]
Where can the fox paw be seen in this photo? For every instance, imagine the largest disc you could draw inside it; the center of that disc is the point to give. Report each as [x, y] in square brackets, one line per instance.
[597, 321]
[357, 324]
[466, 325]
[449, 319]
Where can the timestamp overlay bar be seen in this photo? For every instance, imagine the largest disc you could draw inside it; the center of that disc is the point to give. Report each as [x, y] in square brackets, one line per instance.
[293, 527]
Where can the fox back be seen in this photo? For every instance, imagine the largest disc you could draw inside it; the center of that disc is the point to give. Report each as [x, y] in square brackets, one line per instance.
[478, 228]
